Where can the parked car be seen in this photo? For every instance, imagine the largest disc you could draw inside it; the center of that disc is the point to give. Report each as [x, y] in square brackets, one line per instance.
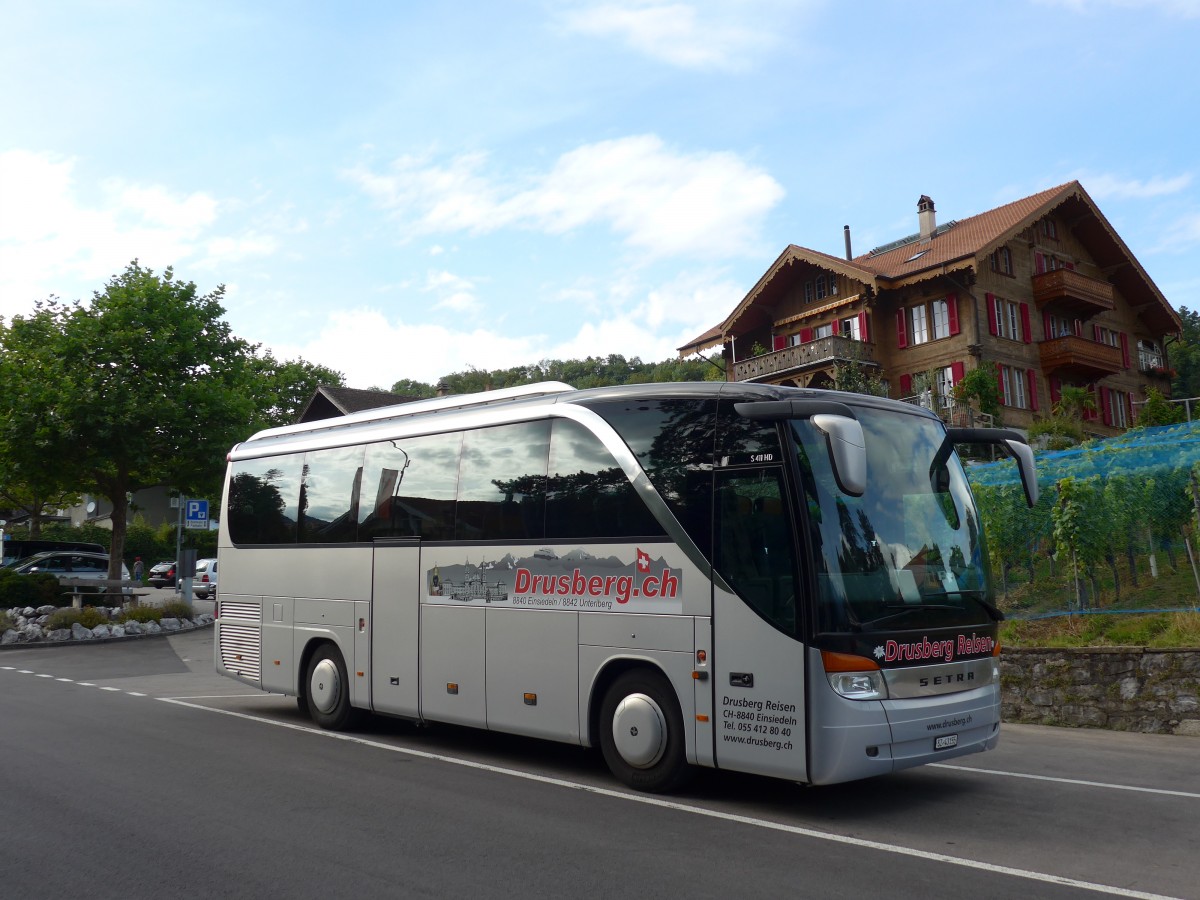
[162, 575]
[204, 583]
[67, 564]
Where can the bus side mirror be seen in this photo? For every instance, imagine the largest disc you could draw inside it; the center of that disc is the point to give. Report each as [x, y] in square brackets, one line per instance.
[1012, 444]
[847, 450]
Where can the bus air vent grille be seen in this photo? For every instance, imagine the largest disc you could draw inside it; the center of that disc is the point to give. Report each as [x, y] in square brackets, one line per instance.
[241, 639]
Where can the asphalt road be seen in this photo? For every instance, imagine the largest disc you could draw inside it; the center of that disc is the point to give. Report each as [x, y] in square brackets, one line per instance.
[130, 770]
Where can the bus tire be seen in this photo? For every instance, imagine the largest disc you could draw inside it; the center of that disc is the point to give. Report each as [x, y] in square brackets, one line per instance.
[641, 732]
[327, 690]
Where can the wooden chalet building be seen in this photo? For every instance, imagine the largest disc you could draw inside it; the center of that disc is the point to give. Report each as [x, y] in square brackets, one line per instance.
[1044, 288]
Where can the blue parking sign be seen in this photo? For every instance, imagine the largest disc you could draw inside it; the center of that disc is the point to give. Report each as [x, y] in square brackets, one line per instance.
[195, 514]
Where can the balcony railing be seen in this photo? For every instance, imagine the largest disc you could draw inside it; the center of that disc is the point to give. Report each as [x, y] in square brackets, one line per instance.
[1070, 291]
[813, 355]
[957, 413]
[1078, 357]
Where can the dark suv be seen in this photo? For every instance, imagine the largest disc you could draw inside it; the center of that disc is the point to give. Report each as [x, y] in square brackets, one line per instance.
[162, 575]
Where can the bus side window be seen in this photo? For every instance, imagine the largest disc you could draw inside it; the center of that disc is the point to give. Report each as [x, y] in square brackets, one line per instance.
[408, 488]
[502, 484]
[755, 547]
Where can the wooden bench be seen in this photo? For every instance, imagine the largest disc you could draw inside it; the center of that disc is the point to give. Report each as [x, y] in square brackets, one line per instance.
[112, 587]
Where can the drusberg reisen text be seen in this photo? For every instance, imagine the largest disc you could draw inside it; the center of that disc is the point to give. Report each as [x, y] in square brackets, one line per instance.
[948, 649]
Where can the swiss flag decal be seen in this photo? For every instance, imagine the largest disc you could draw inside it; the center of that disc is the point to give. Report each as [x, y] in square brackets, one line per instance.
[643, 560]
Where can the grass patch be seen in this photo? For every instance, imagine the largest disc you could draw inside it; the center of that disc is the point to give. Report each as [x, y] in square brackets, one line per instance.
[89, 617]
[1155, 630]
[142, 614]
[177, 609]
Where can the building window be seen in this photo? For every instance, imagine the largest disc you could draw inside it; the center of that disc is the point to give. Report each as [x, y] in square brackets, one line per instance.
[1007, 319]
[918, 327]
[851, 328]
[808, 292]
[1002, 261]
[821, 291]
[1050, 229]
[823, 331]
[833, 287]
[1118, 404]
[1149, 356]
[1013, 387]
[1107, 336]
[941, 319]
[1058, 326]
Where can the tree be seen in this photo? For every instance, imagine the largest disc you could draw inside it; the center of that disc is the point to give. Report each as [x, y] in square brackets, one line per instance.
[408, 388]
[1184, 356]
[143, 386]
[980, 385]
[280, 389]
[1157, 410]
[1064, 427]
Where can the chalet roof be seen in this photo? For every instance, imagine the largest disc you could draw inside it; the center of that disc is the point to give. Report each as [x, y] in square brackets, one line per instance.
[961, 244]
[329, 401]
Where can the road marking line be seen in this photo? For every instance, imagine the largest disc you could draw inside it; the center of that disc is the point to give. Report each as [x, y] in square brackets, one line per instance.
[1099, 784]
[85, 684]
[216, 696]
[8, 668]
[646, 800]
[109, 689]
[45, 676]
[25, 671]
[134, 694]
[64, 679]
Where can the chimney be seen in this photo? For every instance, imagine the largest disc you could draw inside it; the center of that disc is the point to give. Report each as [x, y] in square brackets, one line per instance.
[926, 217]
[846, 232]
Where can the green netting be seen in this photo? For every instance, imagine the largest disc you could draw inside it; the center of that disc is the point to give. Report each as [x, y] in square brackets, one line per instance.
[1114, 530]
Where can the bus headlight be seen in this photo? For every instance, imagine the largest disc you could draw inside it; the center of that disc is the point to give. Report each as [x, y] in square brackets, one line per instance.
[859, 685]
[854, 677]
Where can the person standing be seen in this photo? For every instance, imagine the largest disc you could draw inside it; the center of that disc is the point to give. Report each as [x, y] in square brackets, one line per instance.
[138, 568]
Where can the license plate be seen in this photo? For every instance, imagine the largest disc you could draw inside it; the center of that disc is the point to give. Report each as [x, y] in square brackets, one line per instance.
[945, 742]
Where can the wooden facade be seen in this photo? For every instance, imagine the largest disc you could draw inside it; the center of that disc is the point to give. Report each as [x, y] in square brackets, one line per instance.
[1042, 288]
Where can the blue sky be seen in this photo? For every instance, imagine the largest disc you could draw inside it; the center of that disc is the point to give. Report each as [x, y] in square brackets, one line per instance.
[403, 190]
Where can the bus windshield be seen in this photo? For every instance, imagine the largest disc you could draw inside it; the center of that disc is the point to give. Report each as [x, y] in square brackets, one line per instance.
[909, 552]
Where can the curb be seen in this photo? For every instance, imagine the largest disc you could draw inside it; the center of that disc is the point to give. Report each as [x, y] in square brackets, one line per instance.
[38, 645]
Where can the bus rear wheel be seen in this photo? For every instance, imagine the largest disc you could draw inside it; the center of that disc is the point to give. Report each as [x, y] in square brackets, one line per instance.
[327, 690]
[641, 732]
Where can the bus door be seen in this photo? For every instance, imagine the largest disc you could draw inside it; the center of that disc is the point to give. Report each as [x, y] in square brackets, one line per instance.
[758, 664]
[396, 608]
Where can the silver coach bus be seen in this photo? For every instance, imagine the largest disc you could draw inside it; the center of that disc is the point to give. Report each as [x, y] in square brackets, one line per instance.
[764, 579]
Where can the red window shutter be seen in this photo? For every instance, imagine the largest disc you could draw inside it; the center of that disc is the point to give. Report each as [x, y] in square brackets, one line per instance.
[901, 332]
[862, 327]
[1033, 389]
[1124, 349]
[905, 385]
[1047, 328]
[1070, 266]
[1026, 331]
[1078, 328]
[1096, 333]
[778, 342]
[957, 371]
[1055, 389]
[1091, 413]
[835, 326]
[805, 335]
[1039, 263]
[1128, 409]
[1104, 410]
[952, 312]
[1000, 383]
[991, 305]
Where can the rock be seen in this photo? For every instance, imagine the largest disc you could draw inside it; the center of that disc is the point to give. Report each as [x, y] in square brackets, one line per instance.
[79, 633]
[12, 636]
[45, 610]
[101, 631]
[42, 620]
[32, 632]
[59, 634]
[118, 630]
[151, 628]
[132, 627]
[169, 624]
[28, 611]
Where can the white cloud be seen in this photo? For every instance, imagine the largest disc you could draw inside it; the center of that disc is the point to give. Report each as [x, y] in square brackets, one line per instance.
[453, 292]
[722, 35]
[373, 348]
[1107, 187]
[661, 201]
[54, 241]
[1181, 235]
[1186, 9]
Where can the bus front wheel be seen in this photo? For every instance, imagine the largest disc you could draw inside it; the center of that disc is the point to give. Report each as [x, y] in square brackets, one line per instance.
[327, 690]
[641, 732]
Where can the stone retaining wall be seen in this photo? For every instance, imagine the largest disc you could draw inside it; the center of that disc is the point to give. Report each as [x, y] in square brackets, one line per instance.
[1125, 688]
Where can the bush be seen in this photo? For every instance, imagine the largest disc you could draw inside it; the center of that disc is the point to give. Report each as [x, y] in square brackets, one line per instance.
[89, 617]
[141, 614]
[6, 621]
[30, 590]
[177, 609]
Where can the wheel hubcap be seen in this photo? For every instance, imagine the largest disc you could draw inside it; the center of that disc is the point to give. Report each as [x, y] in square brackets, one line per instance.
[325, 686]
[640, 731]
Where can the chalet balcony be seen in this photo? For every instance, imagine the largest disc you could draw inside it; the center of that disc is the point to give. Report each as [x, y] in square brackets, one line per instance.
[1069, 291]
[804, 357]
[1079, 359]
